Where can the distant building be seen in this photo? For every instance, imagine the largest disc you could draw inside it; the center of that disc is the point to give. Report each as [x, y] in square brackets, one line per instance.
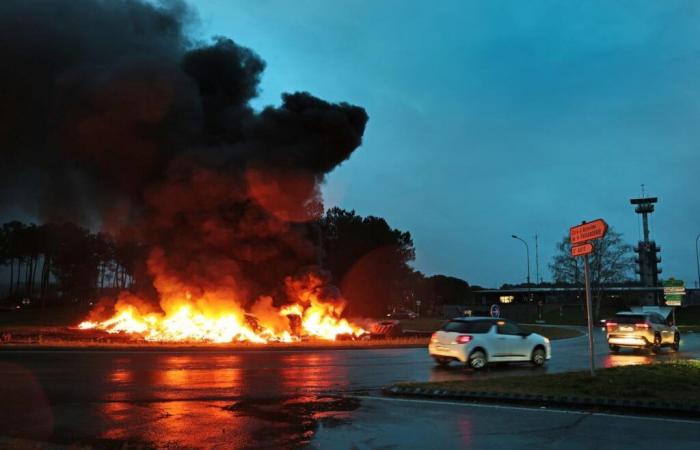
[619, 295]
[530, 304]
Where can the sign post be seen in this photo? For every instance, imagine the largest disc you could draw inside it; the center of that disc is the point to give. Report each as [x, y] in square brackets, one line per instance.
[589, 315]
[580, 237]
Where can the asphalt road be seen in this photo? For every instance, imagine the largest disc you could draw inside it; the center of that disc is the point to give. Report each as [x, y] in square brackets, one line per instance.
[407, 424]
[283, 399]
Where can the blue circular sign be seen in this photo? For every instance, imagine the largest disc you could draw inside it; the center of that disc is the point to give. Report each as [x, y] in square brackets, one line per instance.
[495, 311]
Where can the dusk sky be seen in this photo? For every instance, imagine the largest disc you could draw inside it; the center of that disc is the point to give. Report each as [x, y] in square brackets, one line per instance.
[492, 118]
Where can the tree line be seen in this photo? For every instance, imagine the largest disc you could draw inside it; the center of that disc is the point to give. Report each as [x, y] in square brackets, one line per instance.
[63, 261]
[367, 259]
[370, 262]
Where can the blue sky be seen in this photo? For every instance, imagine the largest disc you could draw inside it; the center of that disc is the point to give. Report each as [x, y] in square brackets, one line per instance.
[492, 118]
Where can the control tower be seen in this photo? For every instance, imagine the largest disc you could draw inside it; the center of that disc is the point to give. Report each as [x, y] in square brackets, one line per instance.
[647, 250]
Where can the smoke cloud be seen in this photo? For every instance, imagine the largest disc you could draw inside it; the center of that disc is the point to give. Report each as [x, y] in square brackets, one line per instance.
[110, 112]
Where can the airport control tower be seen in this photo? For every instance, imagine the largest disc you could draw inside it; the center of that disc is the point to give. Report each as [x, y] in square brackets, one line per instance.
[647, 250]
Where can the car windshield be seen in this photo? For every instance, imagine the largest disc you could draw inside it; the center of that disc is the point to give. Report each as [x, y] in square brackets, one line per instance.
[477, 326]
[630, 318]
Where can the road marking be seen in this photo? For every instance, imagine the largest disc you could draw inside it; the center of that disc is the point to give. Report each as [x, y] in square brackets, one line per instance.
[525, 408]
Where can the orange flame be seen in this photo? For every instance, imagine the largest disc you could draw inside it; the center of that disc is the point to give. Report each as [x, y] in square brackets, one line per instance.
[210, 318]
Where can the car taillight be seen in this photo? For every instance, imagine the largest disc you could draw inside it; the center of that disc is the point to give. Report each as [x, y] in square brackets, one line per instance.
[610, 324]
[643, 326]
[463, 339]
[434, 337]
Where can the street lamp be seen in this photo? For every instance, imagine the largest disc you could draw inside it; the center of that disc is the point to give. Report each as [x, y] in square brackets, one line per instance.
[697, 260]
[527, 250]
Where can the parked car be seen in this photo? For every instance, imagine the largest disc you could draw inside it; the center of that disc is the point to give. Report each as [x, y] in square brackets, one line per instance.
[477, 341]
[402, 314]
[641, 330]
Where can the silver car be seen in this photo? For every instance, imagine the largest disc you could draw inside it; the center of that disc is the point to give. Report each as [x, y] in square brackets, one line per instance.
[642, 330]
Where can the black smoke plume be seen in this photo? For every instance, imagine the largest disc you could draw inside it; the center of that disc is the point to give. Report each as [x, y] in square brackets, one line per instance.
[110, 113]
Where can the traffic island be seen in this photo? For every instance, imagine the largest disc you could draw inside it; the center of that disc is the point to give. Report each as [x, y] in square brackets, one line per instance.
[667, 388]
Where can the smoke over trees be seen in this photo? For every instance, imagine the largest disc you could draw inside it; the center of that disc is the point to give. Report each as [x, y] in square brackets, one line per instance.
[368, 259]
[112, 114]
[115, 119]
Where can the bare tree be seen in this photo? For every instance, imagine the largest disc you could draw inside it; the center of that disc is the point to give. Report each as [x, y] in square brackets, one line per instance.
[612, 261]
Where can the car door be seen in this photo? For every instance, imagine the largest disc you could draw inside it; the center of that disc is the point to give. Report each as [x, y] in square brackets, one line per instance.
[667, 333]
[511, 344]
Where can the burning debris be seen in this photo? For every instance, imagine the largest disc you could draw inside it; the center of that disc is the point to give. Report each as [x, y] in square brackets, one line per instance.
[220, 320]
[113, 115]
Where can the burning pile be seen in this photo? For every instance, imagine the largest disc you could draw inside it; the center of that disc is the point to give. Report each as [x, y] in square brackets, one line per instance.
[209, 318]
[148, 134]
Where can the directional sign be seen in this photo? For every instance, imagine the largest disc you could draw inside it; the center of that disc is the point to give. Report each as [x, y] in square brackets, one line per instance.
[580, 237]
[588, 231]
[674, 290]
[581, 249]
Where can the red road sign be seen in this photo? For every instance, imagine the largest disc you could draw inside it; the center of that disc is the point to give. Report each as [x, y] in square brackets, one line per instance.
[581, 250]
[588, 231]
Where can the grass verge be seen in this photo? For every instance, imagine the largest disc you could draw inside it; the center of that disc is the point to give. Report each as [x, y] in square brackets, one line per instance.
[665, 381]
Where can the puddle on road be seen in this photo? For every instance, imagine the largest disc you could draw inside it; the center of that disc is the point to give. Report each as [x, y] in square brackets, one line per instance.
[296, 419]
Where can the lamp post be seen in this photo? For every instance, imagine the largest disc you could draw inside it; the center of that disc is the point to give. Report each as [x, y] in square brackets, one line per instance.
[527, 250]
[697, 259]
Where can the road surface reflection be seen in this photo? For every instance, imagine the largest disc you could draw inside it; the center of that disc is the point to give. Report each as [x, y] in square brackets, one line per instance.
[276, 399]
[221, 405]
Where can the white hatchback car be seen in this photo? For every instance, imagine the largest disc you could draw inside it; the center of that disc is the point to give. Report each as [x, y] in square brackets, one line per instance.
[477, 341]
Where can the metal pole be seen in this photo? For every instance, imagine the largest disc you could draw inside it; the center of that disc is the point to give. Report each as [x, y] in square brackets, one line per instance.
[529, 286]
[537, 260]
[589, 315]
[697, 260]
[527, 250]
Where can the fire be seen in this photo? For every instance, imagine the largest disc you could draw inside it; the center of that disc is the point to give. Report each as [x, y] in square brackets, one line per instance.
[210, 318]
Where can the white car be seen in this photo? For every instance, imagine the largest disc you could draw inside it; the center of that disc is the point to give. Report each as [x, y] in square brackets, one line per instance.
[477, 341]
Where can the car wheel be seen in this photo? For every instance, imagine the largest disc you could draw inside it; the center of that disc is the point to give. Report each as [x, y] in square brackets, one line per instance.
[676, 342]
[539, 356]
[614, 349]
[477, 360]
[442, 362]
[656, 347]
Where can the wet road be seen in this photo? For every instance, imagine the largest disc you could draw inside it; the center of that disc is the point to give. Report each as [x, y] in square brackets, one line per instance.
[384, 423]
[230, 400]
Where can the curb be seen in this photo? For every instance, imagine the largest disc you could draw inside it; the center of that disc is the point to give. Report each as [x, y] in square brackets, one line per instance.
[578, 402]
